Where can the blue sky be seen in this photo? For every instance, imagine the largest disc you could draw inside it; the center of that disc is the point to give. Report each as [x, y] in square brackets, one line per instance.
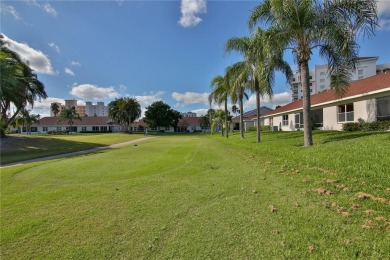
[151, 50]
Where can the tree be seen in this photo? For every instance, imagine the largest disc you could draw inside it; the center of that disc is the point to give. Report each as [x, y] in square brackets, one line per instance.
[217, 120]
[124, 111]
[239, 76]
[220, 95]
[19, 85]
[204, 122]
[160, 114]
[25, 119]
[332, 27]
[69, 114]
[262, 59]
[55, 108]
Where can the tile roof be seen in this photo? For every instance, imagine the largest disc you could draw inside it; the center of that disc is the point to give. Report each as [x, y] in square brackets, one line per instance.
[359, 87]
[85, 121]
[184, 121]
[252, 114]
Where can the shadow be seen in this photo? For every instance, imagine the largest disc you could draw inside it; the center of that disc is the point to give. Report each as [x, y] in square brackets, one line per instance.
[340, 136]
[22, 148]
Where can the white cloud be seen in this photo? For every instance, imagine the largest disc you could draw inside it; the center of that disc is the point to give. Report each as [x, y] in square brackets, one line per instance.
[189, 98]
[278, 99]
[75, 63]
[11, 10]
[384, 14]
[190, 9]
[148, 98]
[42, 107]
[200, 112]
[93, 92]
[37, 60]
[69, 72]
[49, 9]
[54, 46]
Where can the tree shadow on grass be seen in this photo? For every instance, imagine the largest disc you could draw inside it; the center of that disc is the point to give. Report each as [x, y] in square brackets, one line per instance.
[16, 149]
[341, 136]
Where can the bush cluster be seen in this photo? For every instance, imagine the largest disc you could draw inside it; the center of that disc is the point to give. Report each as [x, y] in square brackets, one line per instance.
[366, 127]
[92, 132]
[263, 128]
[65, 132]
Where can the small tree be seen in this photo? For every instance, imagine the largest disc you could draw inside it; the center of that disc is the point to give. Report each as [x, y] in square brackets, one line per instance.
[55, 108]
[25, 119]
[69, 114]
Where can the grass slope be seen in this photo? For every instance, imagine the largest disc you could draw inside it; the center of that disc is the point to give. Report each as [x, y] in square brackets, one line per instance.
[197, 197]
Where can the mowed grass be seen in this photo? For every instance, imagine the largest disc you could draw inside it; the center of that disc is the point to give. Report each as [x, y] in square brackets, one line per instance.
[15, 148]
[202, 197]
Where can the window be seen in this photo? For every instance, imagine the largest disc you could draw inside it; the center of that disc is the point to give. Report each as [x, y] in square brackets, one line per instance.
[383, 108]
[310, 84]
[322, 73]
[360, 72]
[83, 128]
[322, 87]
[44, 129]
[299, 78]
[311, 90]
[285, 120]
[103, 128]
[58, 128]
[345, 113]
[322, 80]
[167, 128]
[34, 129]
[299, 120]
[310, 77]
[95, 128]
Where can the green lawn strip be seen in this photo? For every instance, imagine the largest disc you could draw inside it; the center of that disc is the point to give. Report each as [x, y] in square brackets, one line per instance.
[24, 147]
[191, 197]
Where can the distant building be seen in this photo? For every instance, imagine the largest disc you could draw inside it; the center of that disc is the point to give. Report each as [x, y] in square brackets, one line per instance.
[88, 110]
[188, 114]
[320, 80]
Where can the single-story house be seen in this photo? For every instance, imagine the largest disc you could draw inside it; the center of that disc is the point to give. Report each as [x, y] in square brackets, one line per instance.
[250, 118]
[367, 99]
[98, 124]
[186, 124]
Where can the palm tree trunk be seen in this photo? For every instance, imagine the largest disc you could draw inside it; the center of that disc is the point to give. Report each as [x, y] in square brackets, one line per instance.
[226, 122]
[307, 132]
[241, 119]
[258, 115]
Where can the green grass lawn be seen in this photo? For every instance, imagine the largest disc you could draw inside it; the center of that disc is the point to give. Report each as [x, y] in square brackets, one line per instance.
[17, 148]
[204, 197]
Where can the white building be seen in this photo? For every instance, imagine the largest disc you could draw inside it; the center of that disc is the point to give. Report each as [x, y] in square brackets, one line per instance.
[188, 114]
[88, 110]
[320, 80]
[367, 99]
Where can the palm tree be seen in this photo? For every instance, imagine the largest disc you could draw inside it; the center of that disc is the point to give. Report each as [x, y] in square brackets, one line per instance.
[69, 114]
[19, 85]
[55, 108]
[124, 111]
[219, 117]
[262, 61]
[25, 119]
[239, 76]
[329, 26]
[220, 95]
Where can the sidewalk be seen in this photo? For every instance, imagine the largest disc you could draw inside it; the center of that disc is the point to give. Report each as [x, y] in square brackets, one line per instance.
[76, 153]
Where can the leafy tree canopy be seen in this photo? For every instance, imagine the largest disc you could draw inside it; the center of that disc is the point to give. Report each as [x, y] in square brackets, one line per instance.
[160, 114]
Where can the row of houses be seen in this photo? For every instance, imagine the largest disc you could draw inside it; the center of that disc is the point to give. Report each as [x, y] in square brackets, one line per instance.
[367, 99]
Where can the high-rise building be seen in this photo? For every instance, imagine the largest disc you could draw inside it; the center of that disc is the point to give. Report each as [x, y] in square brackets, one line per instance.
[88, 110]
[320, 80]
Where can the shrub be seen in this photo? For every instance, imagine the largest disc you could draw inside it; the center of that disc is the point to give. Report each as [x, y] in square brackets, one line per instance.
[367, 127]
[91, 132]
[263, 128]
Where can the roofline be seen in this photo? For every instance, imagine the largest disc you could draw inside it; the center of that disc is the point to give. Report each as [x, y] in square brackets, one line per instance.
[330, 102]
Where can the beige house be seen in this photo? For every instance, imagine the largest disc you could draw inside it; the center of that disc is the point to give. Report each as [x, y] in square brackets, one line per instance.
[367, 99]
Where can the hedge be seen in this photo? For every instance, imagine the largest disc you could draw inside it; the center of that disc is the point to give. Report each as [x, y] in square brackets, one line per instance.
[263, 128]
[366, 127]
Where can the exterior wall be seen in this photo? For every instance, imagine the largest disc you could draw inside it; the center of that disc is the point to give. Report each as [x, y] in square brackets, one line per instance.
[79, 128]
[99, 109]
[248, 124]
[330, 118]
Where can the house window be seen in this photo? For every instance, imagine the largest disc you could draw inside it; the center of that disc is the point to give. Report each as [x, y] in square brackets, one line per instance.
[34, 129]
[58, 128]
[383, 108]
[298, 120]
[310, 77]
[345, 113]
[285, 120]
[95, 128]
[44, 129]
[153, 129]
[167, 128]
[322, 80]
[83, 128]
[103, 128]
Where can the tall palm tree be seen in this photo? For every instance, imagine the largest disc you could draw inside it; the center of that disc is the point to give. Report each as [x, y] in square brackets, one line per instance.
[124, 111]
[239, 76]
[69, 114]
[55, 108]
[262, 61]
[220, 95]
[19, 84]
[25, 119]
[219, 117]
[329, 26]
